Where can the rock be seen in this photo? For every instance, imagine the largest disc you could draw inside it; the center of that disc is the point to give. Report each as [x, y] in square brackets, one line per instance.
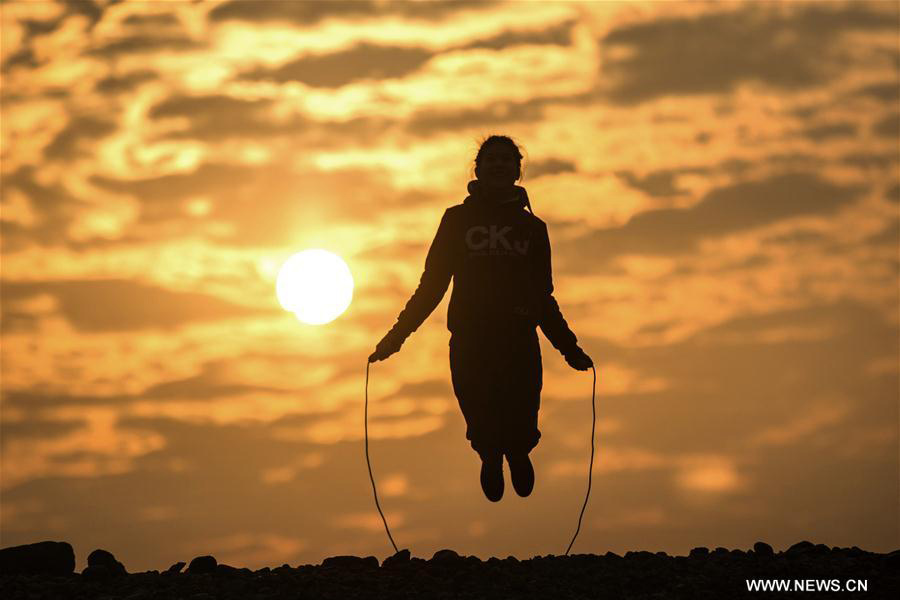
[720, 551]
[50, 558]
[228, 570]
[445, 556]
[96, 572]
[699, 552]
[763, 549]
[103, 558]
[822, 550]
[800, 548]
[202, 564]
[400, 558]
[893, 559]
[176, 568]
[352, 562]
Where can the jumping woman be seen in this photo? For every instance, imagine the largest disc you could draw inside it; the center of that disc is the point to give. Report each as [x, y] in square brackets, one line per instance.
[498, 255]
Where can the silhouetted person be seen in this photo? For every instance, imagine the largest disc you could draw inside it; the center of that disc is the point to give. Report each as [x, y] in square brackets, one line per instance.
[498, 255]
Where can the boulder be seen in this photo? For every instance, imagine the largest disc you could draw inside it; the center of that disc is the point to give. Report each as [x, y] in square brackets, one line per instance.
[763, 549]
[96, 572]
[892, 559]
[400, 558]
[45, 558]
[104, 558]
[445, 556]
[352, 562]
[176, 568]
[699, 552]
[799, 548]
[202, 564]
[228, 570]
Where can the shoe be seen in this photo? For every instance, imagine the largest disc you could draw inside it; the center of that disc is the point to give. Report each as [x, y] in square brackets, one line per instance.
[522, 473]
[492, 477]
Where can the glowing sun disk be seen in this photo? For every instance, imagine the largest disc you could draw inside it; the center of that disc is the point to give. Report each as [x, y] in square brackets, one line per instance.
[315, 285]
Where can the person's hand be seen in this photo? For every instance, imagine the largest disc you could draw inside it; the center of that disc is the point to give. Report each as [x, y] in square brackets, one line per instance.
[390, 344]
[579, 360]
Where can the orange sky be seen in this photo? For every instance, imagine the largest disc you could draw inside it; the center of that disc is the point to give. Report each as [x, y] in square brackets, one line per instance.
[721, 184]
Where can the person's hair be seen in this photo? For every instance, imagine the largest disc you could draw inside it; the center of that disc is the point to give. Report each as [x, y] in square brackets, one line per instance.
[500, 140]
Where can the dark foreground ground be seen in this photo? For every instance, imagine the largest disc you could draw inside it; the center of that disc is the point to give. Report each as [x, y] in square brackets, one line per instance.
[720, 574]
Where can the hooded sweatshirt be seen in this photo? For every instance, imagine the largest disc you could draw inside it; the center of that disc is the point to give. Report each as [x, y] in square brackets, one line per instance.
[498, 255]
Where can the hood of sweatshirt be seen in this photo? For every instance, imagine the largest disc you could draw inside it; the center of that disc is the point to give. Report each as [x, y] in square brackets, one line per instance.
[480, 196]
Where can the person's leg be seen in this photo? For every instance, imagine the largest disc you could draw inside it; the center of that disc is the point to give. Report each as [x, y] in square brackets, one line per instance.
[522, 400]
[476, 391]
[521, 393]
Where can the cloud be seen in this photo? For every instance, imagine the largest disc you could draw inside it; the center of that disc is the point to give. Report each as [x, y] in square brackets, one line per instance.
[801, 426]
[218, 117]
[659, 184]
[53, 205]
[134, 44]
[115, 84]
[266, 205]
[422, 389]
[711, 53]
[332, 70]
[822, 133]
[310, 13]
[555, 35]
[871, 160]
[754, 374]
[117, 305]
[493, 115]
[38, 427]
[887, 92]
[67, 143]
[795, 237]
[888, 127]
[153, 20]
[550, 166]
[893, 194]
[91, 9]
[303, 13]
[888, 236]
[722, 211]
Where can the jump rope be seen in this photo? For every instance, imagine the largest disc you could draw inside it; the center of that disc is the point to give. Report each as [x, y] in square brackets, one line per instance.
[590, 468]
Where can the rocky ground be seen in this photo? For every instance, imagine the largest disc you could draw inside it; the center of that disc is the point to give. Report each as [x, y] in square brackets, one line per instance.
[46, 571]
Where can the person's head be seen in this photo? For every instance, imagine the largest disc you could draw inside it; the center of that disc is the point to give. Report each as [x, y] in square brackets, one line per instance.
[498, 162]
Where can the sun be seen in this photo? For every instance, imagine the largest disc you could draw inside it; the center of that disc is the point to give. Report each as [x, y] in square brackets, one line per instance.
[316, 285]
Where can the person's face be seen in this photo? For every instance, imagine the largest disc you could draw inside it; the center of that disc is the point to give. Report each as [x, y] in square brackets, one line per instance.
[499, 166]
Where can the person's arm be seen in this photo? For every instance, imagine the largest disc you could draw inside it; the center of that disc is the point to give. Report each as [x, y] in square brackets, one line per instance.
[432, 286]
[550, 318]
